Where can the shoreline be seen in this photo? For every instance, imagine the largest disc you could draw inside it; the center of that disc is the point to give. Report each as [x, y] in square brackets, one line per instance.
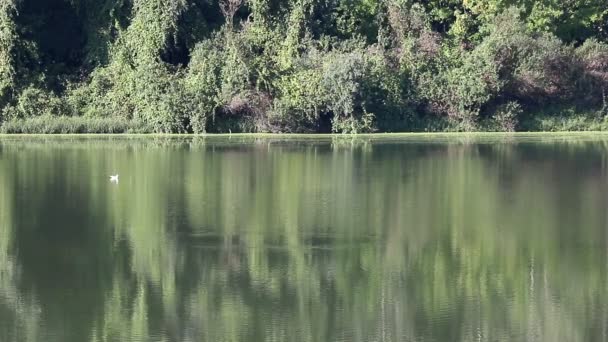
[305, 135]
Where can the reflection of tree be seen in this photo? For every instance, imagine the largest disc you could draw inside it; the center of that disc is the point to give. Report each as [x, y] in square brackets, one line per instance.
[348, 240]
[23, 314]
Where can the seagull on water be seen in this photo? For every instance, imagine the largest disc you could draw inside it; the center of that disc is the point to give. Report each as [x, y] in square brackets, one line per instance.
[114, 178]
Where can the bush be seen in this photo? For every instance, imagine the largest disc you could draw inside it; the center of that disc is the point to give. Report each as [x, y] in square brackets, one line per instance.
[34, 102]
[342, 80]
[593, 81]
[203, 83]
[533, 68]
[300, 98]
[505, 118]
[388, 92]
[151, 94]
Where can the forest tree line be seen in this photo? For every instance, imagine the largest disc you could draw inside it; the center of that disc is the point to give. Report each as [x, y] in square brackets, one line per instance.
[347, 66]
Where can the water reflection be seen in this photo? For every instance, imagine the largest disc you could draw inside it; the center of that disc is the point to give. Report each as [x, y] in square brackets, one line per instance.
[304, 240]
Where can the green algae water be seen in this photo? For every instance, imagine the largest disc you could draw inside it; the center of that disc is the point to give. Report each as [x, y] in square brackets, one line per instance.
[411, 238]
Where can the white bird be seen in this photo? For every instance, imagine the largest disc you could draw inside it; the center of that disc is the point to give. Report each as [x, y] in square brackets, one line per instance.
[114, 178]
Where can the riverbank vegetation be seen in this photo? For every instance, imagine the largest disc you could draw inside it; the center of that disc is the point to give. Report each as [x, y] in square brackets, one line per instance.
[345, 66]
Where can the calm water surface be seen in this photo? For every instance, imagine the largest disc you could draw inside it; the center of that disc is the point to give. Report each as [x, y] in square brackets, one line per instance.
[330, 239]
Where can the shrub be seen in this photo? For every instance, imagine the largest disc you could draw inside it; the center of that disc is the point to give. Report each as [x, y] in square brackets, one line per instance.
[505, 118]
[300, 100]
[593, 81]
[7, 46]
[203, 83]
[388, 92]
[342, 79]
[159, 99]
[34, 102]
[151, 93]
[532, 68]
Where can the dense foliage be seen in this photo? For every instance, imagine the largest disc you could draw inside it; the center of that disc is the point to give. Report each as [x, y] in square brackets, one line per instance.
[304, 65]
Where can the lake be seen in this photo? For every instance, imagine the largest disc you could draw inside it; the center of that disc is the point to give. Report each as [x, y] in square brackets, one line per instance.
[394, 238]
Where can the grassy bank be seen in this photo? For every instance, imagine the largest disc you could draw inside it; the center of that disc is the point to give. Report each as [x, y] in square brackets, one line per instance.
[566, 121]
[72, 125]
